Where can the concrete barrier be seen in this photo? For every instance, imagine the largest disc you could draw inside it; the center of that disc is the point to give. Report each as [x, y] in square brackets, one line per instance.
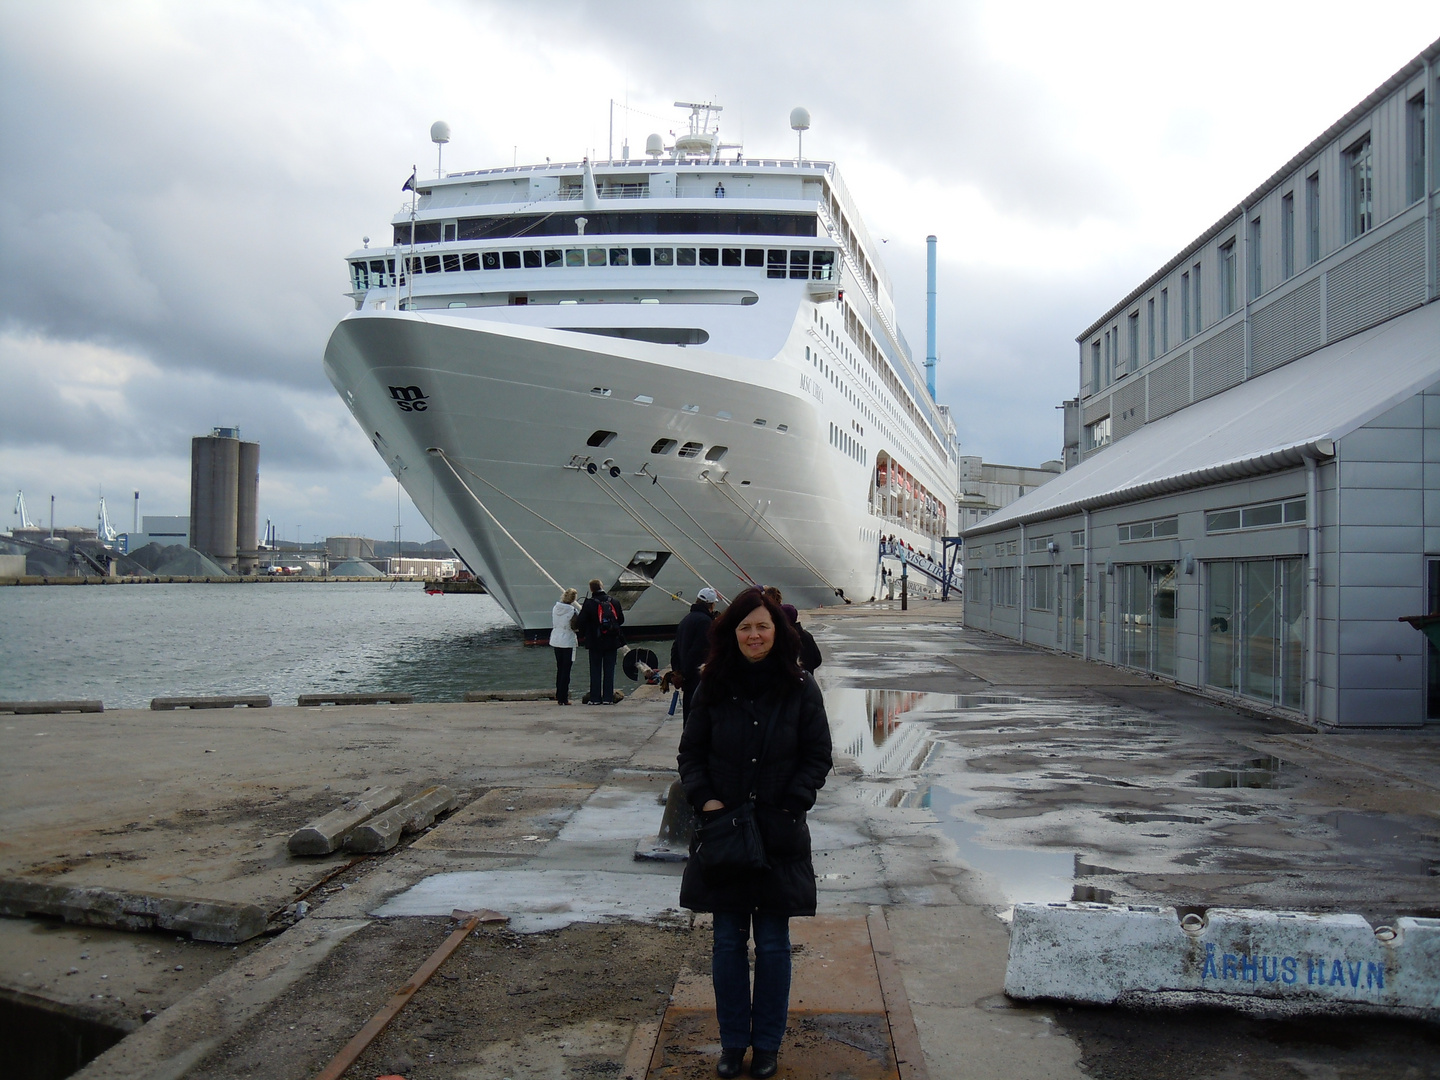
[328, 833]
[509, 695]
[1267, 961]
[19, 707]
[355, 699]
[383, 831]
[203, 920]
[249, 701]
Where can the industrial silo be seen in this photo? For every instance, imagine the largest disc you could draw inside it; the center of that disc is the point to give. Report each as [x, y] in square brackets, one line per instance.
[215, 494]
[247, 504]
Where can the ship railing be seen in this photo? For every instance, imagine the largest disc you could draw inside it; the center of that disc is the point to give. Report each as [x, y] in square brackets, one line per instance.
[921, 562]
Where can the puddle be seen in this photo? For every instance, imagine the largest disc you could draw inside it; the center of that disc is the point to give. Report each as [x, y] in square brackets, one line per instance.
[1385, 842]
[1261, 772]
[1017, 875]
[889, 732]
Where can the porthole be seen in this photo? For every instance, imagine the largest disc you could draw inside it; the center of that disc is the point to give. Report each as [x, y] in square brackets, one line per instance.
[782, 428]
[601, 438]
[715, 453]
[690, 449]
[663, 446]
[759, 421]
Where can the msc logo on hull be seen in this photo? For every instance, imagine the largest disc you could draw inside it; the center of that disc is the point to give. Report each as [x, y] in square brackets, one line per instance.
[409, 398]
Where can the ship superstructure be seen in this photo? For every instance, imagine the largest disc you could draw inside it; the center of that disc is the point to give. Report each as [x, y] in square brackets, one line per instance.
[663, 372]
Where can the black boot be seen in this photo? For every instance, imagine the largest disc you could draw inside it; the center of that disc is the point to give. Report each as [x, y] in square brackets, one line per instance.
[731, 1062]
[763, 1063]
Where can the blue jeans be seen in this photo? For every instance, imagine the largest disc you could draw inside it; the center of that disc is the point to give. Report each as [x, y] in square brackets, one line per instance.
[759, 1023]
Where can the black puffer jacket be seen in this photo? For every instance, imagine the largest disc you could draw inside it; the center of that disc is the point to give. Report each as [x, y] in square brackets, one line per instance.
[719, 740]
[692, 642]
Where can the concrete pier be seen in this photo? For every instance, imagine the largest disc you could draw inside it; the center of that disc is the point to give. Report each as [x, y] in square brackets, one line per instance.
[972, 774]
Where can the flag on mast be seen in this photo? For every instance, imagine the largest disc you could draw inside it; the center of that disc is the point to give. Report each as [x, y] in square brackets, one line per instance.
[409, 184]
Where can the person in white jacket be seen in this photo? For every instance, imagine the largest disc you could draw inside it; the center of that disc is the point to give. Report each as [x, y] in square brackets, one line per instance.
[563, 641]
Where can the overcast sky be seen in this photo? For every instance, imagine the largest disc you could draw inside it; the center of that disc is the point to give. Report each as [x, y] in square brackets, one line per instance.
[179, 183]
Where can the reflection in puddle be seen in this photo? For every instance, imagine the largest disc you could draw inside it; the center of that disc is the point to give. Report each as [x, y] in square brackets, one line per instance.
[1259, 772]
[877, 727]
[1018, 875]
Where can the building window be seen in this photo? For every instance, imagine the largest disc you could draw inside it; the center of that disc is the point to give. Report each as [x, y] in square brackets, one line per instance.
[1312, 219]
[1359, 188]
[1255, 613]
[1097, 434]
[1415, 148]
[1195, 284]
[1095, 366]
[1133, 326]
[1253, 261]
[1147, 616]
[1002, 586]
[1257, 516]
[1150, 329]
[1157, 529]
[1185, 305]
[1287, 235]
[1109, 359]
[1227, 278]
[1164, 320]
[1040, 588]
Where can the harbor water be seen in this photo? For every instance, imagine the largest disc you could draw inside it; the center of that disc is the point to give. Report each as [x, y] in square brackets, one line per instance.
[125, 644]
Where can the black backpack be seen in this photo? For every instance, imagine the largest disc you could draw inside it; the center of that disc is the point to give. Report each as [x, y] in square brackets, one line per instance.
[604, 618]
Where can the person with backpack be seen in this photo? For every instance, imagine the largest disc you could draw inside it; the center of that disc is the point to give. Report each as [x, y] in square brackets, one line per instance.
[600, 621]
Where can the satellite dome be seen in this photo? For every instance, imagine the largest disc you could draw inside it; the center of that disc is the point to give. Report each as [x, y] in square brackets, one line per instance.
[800, 119]
[440, 131]
[654, 145]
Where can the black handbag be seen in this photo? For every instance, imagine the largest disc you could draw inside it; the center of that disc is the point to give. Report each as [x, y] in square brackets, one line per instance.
[729, 845]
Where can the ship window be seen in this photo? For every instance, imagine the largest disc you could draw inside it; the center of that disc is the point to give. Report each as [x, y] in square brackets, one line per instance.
[601, 438]
[799, 264]
[490, 260]
[619, 256]
[709, 256]
[715, 453]
[782, 428]
[432, 264]
[822, 265]
[456, 304]
[532, 259]
[664, 256]
[754, 256]
[690, 449]
[554, 257]
[452, 263]
[663, 446]
[684, 256]
[574, 256]
[450, 230]
[730, 257]
[470, 261]
[644, 399]
[595, 256]
[775, 263]
[759, 421]
[690, 408]
[639, 256]
[510, 260]
[377, 266]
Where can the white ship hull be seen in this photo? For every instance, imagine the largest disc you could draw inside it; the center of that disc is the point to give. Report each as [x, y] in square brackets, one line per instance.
[511, 407]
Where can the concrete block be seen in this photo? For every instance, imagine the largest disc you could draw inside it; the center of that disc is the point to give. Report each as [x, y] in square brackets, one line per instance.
[329, 832]
[250, 701]
[1268, 961]
[203, 920]
[21, 707]
[355, 699]
[383, 831]
[509, 695]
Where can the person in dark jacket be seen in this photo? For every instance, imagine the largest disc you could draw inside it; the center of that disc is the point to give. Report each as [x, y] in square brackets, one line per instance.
[757, 731]
[692, 643]
[600, 622]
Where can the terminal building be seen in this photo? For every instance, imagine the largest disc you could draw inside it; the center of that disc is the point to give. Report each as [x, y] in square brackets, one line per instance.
[1255, 497]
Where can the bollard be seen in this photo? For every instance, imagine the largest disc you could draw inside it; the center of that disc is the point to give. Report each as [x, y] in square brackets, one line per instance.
[677, 828]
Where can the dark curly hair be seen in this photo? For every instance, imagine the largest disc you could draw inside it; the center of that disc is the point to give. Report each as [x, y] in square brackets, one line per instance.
[722, 666]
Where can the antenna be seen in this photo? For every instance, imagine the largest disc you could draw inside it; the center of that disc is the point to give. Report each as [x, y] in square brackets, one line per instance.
[799, 123]
[439, 135]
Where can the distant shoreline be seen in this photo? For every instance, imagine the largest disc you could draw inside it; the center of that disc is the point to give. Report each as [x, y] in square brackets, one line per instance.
[249, 579]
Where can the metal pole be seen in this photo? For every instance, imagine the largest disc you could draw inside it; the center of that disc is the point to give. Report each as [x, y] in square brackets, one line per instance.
[52, 515]
[610, 143]
[930, 357]
[1312, 591]
[904, 583]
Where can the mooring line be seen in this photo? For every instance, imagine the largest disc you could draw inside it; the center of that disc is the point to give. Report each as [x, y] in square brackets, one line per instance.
[665, 545]
[443, 457]
[743, 574]
[758, 519]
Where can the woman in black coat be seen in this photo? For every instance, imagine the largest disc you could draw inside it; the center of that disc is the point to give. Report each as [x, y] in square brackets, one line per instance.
[757, 728]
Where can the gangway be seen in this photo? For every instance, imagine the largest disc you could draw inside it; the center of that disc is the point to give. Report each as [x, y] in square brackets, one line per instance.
[944, 573]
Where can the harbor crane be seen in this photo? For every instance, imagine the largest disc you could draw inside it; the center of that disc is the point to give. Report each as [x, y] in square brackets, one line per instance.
[25, 522]
[103, 529]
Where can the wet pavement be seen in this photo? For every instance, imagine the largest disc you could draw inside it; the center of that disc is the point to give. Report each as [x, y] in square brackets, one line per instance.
[971, 774]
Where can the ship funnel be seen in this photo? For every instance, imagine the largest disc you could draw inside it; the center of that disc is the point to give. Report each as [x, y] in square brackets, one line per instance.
[591, 200]
[930, 359]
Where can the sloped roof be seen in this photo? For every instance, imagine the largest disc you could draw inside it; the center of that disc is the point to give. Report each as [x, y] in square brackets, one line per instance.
[1265, 424]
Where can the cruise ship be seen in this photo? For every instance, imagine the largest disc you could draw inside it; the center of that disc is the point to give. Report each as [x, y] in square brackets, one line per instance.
[665, 372]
